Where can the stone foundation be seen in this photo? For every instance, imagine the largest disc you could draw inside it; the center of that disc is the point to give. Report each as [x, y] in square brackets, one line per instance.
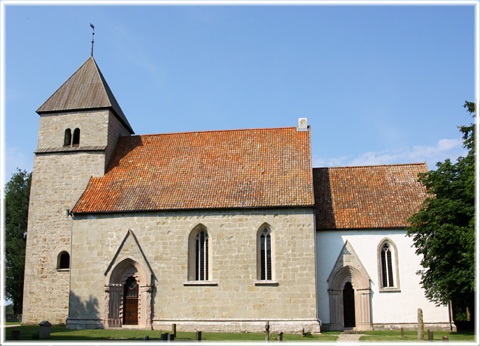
[442, 326]
[227, 326]
[84, 324]
[241, 326]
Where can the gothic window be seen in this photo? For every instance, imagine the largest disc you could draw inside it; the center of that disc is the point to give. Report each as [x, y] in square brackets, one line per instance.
[388, 266]
[68, 138]
[199, 255]
[76, 137]
[265, 254]
[63, 260]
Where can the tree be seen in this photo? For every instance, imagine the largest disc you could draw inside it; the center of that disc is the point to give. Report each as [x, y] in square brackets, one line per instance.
[443, 230]
[17, 193]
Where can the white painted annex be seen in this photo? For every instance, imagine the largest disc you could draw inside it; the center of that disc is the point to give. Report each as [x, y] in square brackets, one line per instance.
[389, 309]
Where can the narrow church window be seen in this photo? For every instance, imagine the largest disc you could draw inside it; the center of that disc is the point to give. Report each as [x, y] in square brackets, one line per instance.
[265, 255]
[76, 137]
[68, 138]
[63, 261]
[388, 266]
[387, 269]
[201, 252]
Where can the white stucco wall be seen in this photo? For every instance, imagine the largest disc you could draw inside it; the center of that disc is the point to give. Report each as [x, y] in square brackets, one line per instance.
[387, 307]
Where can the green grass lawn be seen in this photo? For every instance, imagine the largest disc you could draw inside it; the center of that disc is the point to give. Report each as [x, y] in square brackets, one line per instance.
[393, 336]
[61, 333]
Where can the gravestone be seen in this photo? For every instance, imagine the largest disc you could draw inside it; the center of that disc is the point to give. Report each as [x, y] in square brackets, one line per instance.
[420, 325]
[44, 332]
[267, 331]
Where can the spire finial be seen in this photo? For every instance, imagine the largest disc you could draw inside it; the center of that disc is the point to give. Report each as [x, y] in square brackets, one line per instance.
[93, 38]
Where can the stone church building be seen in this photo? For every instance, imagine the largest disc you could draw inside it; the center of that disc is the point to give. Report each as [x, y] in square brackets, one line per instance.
[213, 231]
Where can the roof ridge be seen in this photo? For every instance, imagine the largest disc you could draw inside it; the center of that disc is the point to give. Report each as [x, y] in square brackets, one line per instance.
[378, 165]
[210, 131]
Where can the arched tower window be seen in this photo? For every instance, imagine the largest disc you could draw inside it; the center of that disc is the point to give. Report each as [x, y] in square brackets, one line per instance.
[264, 249]
[68, 138]
[63, 260]
[76, 137]
[388, 266]
[199, 255]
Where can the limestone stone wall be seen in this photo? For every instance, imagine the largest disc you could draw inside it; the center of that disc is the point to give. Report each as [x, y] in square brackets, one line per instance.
[232, 295]
[58, 180]
[115, 130]
[93, 125]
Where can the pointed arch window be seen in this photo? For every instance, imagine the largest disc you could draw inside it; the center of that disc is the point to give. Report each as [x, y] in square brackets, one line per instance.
[388, 266]
[76, 137]
[265, 257]
[265, 254]
[68, 138]
[201, 256]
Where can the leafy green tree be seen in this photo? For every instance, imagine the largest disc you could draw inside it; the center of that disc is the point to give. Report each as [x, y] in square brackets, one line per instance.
[443, 230]
[17, 193]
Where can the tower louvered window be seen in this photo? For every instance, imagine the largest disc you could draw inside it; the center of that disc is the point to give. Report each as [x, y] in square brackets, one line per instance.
[387, 267]
[68, 138]
[201, 258]
[76, 137]
[265, 255]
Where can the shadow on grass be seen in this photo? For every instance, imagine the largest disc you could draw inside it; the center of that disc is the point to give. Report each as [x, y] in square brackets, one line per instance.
[59, 333]
[412, 336]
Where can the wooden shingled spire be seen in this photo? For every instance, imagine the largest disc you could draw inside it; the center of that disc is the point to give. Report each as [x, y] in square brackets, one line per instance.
[85, 89]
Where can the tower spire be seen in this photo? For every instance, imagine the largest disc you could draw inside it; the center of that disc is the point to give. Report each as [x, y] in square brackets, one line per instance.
[93, 38]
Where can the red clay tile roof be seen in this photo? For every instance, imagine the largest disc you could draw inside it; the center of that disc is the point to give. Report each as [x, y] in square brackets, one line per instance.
[215, 169]
[367, 197]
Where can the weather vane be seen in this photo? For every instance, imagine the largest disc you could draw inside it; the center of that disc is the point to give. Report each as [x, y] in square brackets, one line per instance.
[93, 37]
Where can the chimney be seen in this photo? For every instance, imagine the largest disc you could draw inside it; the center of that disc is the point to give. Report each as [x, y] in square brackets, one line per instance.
[302, 124]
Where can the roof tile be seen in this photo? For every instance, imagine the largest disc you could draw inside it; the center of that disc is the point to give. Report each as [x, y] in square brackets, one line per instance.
[196, 170]
[367, 197]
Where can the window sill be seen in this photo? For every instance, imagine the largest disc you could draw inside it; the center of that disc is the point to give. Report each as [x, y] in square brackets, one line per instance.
[200, 283]
[266, 283]
[63, 270]
[387, 290]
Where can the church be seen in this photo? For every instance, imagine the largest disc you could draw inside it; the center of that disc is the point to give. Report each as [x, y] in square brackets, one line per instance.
[213, 230]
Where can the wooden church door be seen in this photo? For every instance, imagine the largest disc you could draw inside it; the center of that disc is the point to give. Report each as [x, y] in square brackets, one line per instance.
[130, 302]
[349, 306]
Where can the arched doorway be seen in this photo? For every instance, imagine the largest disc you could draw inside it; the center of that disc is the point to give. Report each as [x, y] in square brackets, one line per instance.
[348, 306]
[128, 295]
[349, 292]
[130, 301]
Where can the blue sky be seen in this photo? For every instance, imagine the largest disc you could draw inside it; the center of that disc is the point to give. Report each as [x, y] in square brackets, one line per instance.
[378, 84]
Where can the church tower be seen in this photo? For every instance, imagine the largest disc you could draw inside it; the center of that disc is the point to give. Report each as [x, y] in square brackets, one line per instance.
[79, 127]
